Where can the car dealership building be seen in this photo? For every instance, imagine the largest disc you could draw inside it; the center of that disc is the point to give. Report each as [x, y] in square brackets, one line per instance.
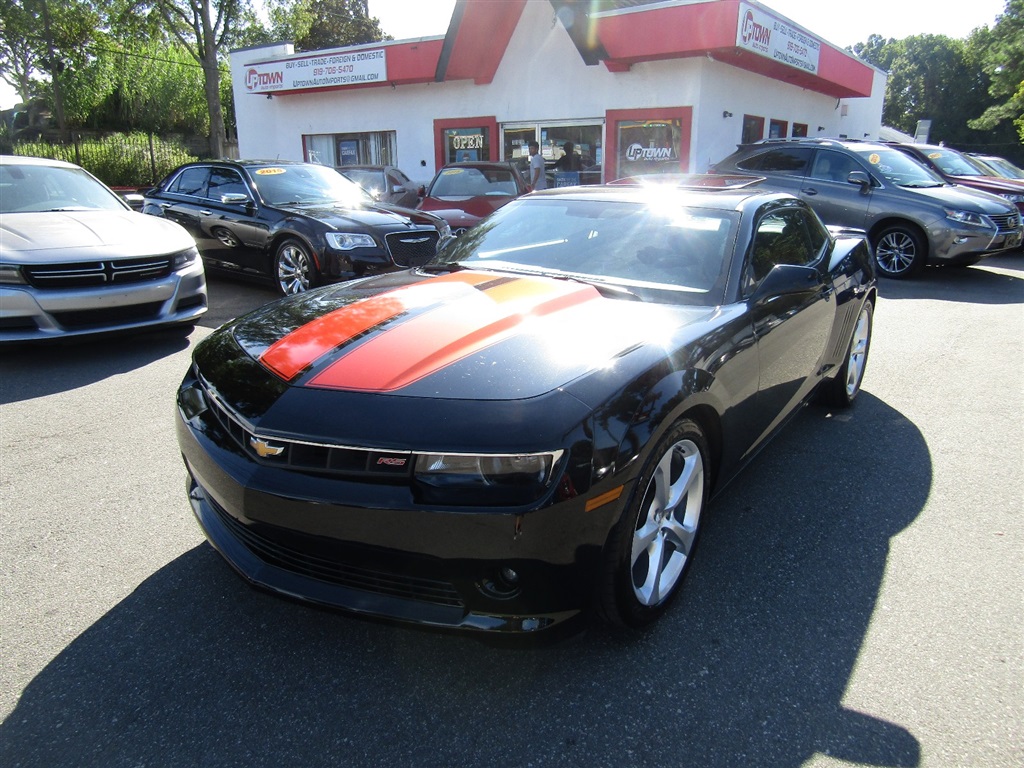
[636, 86]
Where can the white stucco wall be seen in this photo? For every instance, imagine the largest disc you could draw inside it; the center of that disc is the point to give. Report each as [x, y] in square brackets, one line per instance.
[541, 78]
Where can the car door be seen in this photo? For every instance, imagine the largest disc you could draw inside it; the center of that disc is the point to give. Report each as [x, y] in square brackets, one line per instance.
[792, 327]
[827, 189]
[181, 200]
[231, 222]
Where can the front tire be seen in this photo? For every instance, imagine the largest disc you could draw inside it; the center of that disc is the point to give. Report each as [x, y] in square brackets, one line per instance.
[294, 268]
[651, 547]
[900, 252]
[842, 390]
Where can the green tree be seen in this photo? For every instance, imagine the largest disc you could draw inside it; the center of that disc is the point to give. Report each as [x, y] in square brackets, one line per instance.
[1001, 56]
[315, 24]
[205, 28]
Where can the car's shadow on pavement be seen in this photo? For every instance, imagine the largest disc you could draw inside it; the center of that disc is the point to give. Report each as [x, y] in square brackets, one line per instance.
[996, 280]
[749, 668]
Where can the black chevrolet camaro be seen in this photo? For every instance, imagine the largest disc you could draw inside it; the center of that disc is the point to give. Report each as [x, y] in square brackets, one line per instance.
[299, 224]
[532, 425]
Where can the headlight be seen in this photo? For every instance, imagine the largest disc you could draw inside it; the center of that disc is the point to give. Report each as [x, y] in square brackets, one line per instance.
[346, 241]
[11, 275]
[185, 258]
[499, 479]
[969, 217]
[445, 231]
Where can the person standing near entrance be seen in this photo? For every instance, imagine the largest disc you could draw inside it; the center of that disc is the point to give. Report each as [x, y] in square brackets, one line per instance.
[538, 179]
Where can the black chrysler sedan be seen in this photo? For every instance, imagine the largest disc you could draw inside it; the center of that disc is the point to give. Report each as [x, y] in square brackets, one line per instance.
[530, 426]
[297, 223]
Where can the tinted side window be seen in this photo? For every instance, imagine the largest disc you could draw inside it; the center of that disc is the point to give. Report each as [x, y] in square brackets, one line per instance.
[191, 181]
[784, 237]
[789, 160]
[225, 181]
[833, 166]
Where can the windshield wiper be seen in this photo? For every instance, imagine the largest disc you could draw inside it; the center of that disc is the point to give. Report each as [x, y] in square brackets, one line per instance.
[608, 290]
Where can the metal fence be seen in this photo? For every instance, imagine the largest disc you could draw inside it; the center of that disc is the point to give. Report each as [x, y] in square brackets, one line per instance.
[120, 160]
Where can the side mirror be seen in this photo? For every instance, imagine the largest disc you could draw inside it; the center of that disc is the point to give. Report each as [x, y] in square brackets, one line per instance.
[860, 178]
[234, 198]
[422, 191]
[785, 280]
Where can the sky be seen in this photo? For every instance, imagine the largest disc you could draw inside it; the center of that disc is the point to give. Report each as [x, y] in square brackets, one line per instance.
[841, 24]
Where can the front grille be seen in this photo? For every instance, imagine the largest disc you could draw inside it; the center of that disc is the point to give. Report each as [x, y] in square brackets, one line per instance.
[345, 574]
[304, 456]
[412, 249]
[87, 274]
[1006, 223]
[133, 313]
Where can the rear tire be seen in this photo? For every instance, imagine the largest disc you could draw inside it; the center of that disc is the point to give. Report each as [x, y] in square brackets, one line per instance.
[900, 252]
[842, 390]
[651, 547]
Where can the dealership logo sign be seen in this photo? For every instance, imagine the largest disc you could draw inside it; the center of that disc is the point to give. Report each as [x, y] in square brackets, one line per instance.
[754, 33]
[256, 80]
[637, 152]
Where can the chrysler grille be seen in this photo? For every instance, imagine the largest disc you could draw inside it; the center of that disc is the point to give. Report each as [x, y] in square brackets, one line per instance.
[88, 274]
[413, 249]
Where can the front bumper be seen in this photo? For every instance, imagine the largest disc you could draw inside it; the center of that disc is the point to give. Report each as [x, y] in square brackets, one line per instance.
[30, 314]
[953, 244]
[366, 548]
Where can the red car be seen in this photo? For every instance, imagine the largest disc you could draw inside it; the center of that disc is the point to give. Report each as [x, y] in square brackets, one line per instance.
[464, 193]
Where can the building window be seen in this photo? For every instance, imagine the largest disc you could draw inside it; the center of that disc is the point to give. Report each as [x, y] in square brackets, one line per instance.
[335, 149]
[586, 140]
[753, 129]
[777, 129]
[466, 144]
[799, 130]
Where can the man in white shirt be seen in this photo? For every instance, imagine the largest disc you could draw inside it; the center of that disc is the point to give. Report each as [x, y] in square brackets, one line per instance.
[538, 179]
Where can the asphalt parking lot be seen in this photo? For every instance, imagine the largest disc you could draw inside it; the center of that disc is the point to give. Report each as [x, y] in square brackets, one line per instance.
[857, 599]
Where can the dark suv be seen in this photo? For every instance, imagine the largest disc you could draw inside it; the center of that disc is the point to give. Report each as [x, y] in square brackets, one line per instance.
[297, 223]
[912, 216]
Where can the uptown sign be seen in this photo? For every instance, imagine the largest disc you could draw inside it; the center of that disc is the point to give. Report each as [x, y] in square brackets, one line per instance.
[323, 70]
[768, 36]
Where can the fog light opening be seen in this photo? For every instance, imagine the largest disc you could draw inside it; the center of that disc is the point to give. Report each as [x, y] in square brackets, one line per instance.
[503, 585]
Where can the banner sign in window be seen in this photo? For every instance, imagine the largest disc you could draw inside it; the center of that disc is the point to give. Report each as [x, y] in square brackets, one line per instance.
[766, 35]
[326, 70]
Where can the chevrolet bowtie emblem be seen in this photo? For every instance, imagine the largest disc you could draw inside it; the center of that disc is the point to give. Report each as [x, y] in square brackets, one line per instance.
[264, 449]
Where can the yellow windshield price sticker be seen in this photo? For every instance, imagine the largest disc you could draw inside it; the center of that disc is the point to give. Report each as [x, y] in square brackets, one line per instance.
[935, 155]
[452, 171]
[875, 159]
[269, 171]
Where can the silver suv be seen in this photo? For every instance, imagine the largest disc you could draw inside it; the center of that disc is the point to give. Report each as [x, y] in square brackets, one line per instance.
[910, 214]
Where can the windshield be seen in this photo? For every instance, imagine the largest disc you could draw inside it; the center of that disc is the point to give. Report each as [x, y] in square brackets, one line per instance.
[307, 185]
[953, 163]
[371, 181]
[1003, 168]
[654, 251]
[38, 188]
[900, 169]
[473, 182]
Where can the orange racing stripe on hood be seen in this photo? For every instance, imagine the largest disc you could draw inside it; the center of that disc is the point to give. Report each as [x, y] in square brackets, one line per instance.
[292, 354]
[434, 340]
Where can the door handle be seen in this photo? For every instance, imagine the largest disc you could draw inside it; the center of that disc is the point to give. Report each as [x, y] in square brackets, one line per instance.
[204, 213]
[811, 191]
[165, 206]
